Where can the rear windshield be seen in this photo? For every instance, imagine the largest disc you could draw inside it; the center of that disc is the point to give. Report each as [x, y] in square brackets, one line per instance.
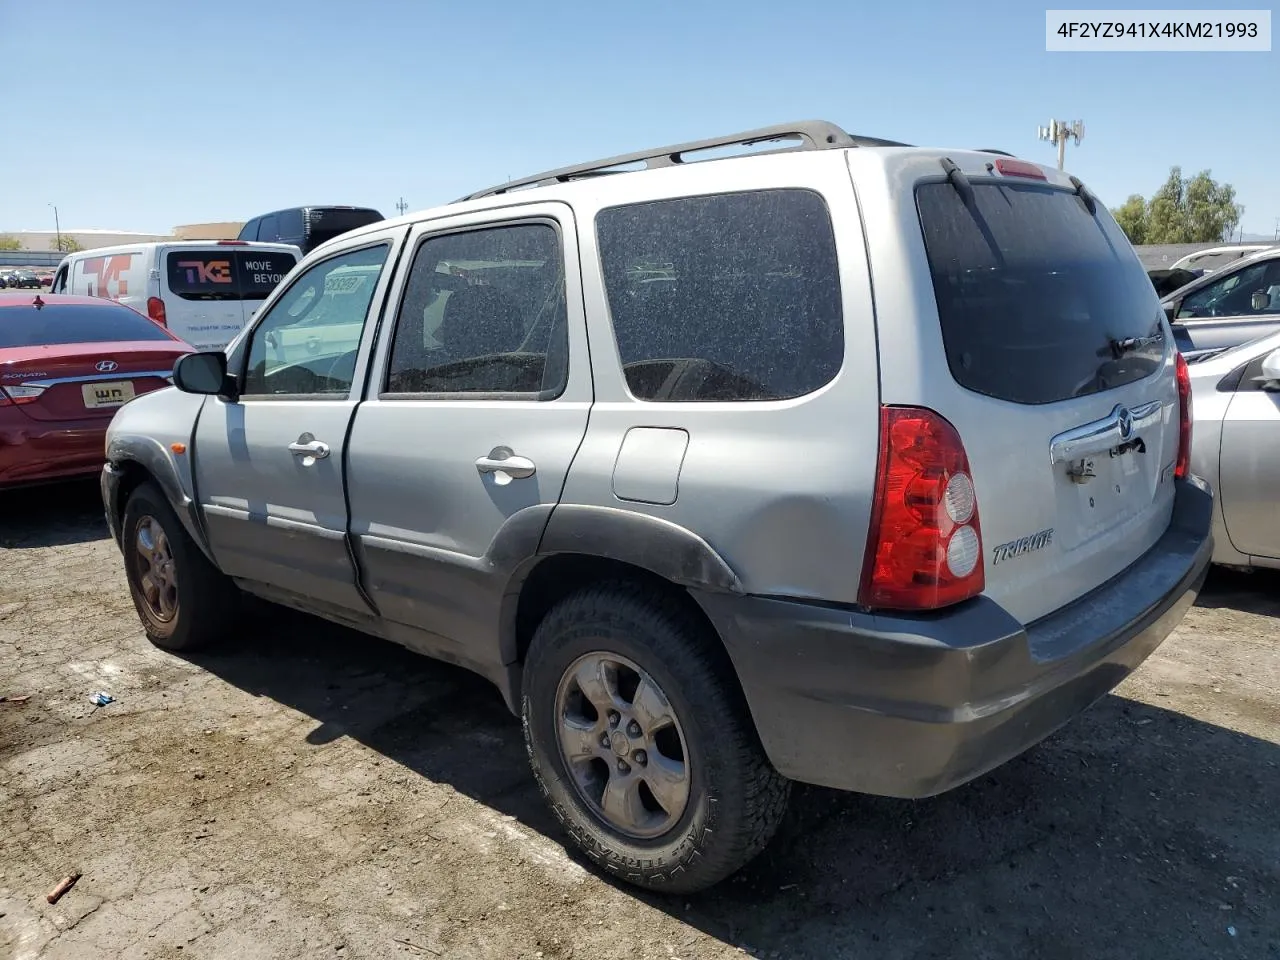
[226, 274]
[1038, 299]
[28, 326]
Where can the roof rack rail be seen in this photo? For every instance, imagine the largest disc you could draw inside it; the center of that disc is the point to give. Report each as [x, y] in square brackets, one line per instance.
[1003, 153]
[813, 134]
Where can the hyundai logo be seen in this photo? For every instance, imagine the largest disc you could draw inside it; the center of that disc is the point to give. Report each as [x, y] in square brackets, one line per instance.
[1126, 423]
[105, 366]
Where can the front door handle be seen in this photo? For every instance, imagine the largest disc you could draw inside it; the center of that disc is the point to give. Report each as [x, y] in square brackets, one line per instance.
[309, 449]
[502, 461]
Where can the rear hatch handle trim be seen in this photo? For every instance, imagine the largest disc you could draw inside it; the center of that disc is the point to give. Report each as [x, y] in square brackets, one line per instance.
[1120, 428]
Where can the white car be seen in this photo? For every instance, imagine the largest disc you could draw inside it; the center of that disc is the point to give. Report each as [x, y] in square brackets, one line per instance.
[1236, 411]
[1217, 257]
[203, 291]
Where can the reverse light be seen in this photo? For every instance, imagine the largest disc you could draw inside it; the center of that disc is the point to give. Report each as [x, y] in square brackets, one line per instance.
[924, 548]
[155, 310]
[1183, 465]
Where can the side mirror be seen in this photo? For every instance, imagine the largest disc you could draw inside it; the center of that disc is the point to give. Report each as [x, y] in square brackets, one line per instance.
[1271, 371]
[204, 373]
[1260, 301]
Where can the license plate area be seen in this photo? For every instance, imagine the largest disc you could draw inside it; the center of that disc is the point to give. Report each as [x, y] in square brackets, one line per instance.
[1097, 494]
[107, 394]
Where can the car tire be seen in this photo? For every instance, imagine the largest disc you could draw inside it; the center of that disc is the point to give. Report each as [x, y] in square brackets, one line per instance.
[642, 640]
[183, 601]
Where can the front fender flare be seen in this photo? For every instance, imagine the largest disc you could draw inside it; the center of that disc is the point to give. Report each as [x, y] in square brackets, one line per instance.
[153, 458]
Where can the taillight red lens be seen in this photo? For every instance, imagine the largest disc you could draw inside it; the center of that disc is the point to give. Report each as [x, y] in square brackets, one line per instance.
[1183, 466]
[1019, 168]
[924, 549]
[155, 310]
[17, 394]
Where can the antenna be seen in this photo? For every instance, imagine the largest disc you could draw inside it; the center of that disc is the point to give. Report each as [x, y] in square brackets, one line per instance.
[402, 206]
[1058, 132]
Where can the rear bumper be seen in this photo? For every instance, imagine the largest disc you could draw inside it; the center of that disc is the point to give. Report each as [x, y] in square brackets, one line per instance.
[36, 451]
[911, 706]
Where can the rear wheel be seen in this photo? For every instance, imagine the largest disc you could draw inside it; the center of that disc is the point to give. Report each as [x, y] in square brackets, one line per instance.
[183, 601]
[641, 743]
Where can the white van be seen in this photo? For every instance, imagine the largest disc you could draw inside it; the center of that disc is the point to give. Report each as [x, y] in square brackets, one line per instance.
[204, 291]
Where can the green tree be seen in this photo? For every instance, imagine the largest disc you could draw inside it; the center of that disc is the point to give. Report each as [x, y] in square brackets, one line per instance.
[1132, 217]
[67, 244]
[10, 243]
[1183, 210]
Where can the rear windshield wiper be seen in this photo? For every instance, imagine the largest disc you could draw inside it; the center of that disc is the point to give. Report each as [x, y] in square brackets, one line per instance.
[1083, 193]
[1121, 346]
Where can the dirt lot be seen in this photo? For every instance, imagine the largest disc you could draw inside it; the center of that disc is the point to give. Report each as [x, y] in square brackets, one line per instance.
[310, 792]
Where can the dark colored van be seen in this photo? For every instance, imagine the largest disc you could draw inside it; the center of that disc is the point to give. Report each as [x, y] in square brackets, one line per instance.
[307, 227]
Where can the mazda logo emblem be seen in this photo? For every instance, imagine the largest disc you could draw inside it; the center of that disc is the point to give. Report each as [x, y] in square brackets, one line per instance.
[105, 366]
[1126, 423]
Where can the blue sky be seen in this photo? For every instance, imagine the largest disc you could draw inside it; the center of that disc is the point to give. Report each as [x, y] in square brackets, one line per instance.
[145, 114]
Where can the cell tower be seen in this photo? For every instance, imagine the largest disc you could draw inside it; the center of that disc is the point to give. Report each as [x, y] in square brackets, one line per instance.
[1058, 132]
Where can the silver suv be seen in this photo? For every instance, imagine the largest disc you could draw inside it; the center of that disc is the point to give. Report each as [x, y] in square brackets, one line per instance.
[689, 461]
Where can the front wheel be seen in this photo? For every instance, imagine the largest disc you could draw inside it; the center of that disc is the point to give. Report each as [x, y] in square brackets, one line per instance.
[641, 742]
[183, 601]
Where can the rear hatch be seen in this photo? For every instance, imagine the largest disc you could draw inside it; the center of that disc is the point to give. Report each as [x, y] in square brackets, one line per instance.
[210, 294]
[115, 355]
[1046, 347]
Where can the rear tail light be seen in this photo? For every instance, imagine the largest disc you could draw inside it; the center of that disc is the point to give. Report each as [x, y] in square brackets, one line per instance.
[1183, 466]
[19, 393]
[155, 310]
[924, 548]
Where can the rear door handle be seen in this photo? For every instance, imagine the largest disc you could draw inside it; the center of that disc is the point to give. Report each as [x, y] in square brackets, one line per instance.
[502, 460]
[309, 449]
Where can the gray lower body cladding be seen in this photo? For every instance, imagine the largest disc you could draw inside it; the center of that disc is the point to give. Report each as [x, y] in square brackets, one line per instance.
[911, 706]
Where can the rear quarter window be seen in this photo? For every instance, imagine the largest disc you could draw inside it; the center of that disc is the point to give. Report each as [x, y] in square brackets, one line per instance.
[1037, 297]
[290, 226]
[731, 297]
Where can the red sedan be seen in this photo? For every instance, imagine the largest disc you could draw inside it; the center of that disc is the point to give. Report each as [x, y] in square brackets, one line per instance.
[66, 365]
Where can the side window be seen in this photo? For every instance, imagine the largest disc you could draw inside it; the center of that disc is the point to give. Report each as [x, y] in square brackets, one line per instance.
[726, 297]
[484, 312]
[59, 284]
[267, 230]
[250, 230]
[307, 342]
[289, 226]
[1253, 291]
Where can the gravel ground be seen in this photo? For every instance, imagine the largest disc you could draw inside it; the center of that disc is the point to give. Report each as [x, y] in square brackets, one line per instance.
[312, 792]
